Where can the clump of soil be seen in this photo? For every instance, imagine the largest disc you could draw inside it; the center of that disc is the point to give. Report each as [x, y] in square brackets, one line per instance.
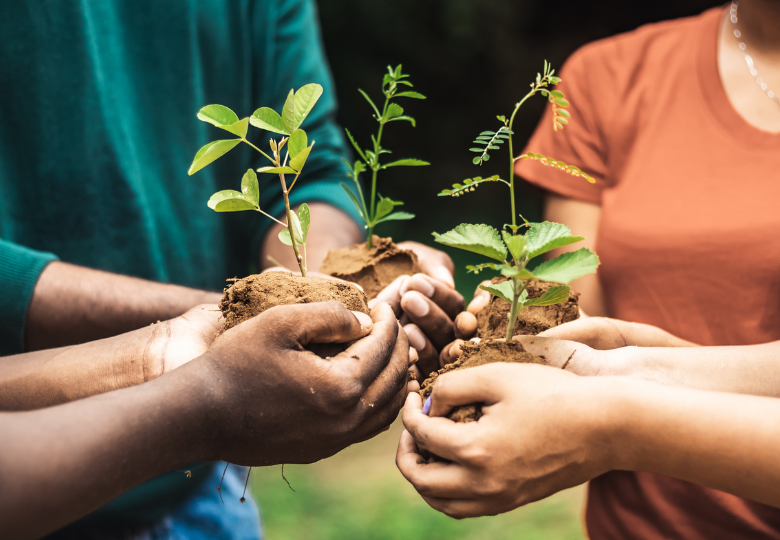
[254, 294]
[373, 269]
[492, 320]
[479, 354]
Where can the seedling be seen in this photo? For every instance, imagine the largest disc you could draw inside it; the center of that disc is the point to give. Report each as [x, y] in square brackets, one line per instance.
[289, 161]
[378, 212]
[511, 250]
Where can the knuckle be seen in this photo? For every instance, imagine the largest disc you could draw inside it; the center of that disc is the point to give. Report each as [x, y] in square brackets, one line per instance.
[475, 454]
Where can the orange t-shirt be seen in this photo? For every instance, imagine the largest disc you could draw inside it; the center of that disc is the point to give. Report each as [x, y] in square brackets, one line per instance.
[688, 238]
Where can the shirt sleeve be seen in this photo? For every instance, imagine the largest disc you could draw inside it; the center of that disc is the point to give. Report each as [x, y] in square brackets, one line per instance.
[582, 142]
[300, 60]
[20, 269]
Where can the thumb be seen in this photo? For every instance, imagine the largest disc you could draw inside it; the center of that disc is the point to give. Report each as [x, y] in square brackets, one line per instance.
[324, 322]
[464, 387]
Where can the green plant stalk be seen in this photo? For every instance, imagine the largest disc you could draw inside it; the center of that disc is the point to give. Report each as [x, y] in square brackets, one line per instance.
[512, 155]
[287, 210]
[515, 311]
[374, 171]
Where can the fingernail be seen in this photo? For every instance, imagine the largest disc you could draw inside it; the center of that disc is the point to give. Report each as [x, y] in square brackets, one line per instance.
[419, 284]
[404, 285]
[416, 338]
[442, 274]
[365, 321]
[427, 406]
[415, 304]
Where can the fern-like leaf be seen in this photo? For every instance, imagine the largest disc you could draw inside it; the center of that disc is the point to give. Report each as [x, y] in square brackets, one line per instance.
[469, 184]
[489, 140]
[560, 165]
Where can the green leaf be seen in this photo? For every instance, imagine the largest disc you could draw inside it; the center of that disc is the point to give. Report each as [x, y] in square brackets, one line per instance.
[239, 128]
[477, 160]
[276, 170]
[394, 110]
[384, 207]
[354, 199]
[568, 266]
[288, 113]
[553, 295]
[250, 188]
[355, 144]
[395, 216]
[229, 200]
[513, 271]
[378, 116]
[478, 268]
[564, 113]
[297, 143]
[305, 99]
[546, 236]
[211, 152]
[413, 95]
[504, 290]
[284, 234]
[411, 162]
[300, 158]
[557, 93]
[304, 215]
[561, 102]
[515, 243]
[481, 239]
[406, 118]
[269, 120]
[217, 115]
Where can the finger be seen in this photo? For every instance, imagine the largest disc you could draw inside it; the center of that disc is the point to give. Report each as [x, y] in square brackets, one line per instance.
[392, 381]
[368, 357]
[436, 479]
[439, 436]
[433, 262]
[413, 356]
[480, 301]
[463, 387]
[570, 356]
[466, 508]
[450, 353]
[465, 325]
[321, 322]
[391, 295]
[448, 299]
[429, 318]
[428, 356]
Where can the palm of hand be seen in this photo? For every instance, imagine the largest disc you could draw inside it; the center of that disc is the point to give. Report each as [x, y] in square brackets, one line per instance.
[190, 335]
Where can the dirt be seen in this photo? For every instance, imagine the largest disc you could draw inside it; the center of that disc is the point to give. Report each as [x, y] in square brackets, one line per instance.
[479, 354]
[255, 294]
[373, 269]
[492, 320]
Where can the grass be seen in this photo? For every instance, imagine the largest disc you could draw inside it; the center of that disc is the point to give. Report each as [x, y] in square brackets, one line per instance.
[359, 494]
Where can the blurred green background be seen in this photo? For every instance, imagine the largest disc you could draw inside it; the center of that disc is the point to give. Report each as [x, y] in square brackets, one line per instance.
[473, 59]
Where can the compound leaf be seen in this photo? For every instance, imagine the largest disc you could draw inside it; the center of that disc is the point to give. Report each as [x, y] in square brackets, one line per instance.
[250, 188]
[305, 99]
[211, 152]
[553, 295]
[481, 239]
[546, 236]
[269, 120]
[568, 266]
[504, 290]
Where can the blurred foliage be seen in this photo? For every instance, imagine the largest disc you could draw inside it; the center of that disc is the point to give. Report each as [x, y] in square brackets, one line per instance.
[473, 59]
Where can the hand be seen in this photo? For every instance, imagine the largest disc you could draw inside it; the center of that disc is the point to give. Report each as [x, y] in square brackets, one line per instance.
[465, 326]
[180, 340]
[540, 433]
[274, 402]
[603, 333]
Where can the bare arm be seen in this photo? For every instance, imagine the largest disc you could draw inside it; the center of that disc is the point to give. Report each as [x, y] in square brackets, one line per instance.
[583, 219]
[72, 304]
[54, 376]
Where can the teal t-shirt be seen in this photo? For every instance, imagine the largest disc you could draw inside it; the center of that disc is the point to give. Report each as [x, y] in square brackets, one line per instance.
[98, 128]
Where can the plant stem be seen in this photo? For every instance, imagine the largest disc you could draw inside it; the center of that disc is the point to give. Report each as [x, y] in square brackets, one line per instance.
[270, 216]
[375, 170]
[510, 327]
[256, 148]
[298, 257]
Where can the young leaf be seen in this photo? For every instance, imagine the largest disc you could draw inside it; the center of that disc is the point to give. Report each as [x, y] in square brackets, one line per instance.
[354, 199]
[481, 239]
[393, 111]
[478, 268]
[217, 115]
[568, 266]
[560, 165]
[376, 111]
[300, 158]
[304, 216]
[413, 95]
[288, 112]
[355, 144]
[276, 170]
[513, 271]
[297, 143]
[515, 243]
[269, 120]
[546, 236]
[284, 234]
[404, 117]
[395, 216]
[211, 152]
[305, 99]
[239, 128]
[411, 162]
[384, 207]
[553, 295]
[250, 188]
[470, 184]
[229, 200]
[504, 290]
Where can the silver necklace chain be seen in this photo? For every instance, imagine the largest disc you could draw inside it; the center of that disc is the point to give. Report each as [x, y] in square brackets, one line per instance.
[749, 59]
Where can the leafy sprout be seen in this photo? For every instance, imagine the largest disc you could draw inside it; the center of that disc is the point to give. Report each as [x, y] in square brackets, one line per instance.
[509, 250]
[380, 210]
[284, 161]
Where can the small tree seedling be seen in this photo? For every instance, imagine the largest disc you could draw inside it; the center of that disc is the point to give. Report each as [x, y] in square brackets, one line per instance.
[377, 212]
[285, 161]
[513, 251]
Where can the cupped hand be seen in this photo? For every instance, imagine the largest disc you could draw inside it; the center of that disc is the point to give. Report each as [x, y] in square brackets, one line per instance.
[604, 334]
[180, 340]
[540, 433]
[273, 401]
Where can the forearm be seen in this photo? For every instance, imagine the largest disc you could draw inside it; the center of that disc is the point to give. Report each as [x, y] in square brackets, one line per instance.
[73, 305]
[723, 441]
[59, 464]
[330, 229]
[750, 369]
